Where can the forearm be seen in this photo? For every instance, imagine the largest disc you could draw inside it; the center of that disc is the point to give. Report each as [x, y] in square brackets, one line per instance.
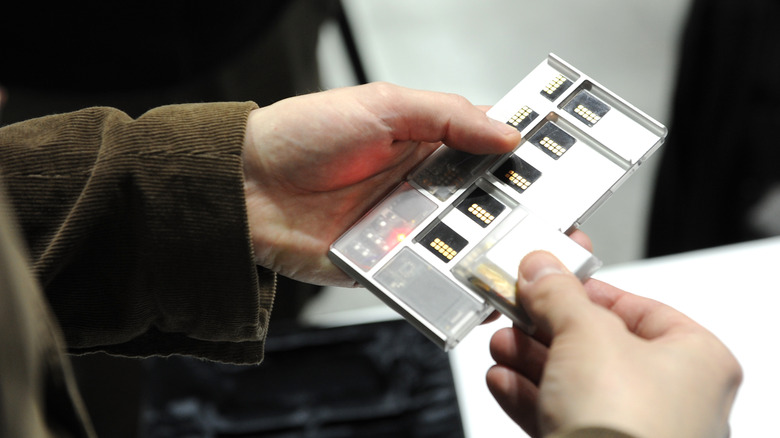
[137, 228]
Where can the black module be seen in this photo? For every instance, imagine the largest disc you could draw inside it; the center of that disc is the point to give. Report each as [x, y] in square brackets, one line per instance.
[587, 108]
[517, 173]
[444, 242]
[553, 140]
[522, 118]
[556, 87]
[480, 207]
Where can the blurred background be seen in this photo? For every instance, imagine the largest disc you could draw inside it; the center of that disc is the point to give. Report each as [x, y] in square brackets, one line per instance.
[679, 61]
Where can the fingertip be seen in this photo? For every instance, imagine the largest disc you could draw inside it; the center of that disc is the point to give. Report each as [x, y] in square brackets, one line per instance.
[497, 378]
[505, 129]
[552, 295]
[501, 341]
[507, 137]
[503, 383]
[582, 239]
[537, 265]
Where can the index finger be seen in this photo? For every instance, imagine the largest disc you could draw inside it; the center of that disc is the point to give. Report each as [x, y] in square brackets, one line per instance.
[643, 316]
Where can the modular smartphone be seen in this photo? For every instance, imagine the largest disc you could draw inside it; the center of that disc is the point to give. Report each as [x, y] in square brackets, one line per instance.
[443, 248]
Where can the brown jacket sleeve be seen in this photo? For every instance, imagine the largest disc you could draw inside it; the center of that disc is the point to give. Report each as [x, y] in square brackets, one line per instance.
[137, 229]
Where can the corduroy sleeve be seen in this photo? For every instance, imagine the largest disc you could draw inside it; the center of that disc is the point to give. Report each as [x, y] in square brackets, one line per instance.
[137, 229]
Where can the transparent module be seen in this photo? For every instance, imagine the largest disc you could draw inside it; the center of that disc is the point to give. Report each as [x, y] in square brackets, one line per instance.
[443, 248]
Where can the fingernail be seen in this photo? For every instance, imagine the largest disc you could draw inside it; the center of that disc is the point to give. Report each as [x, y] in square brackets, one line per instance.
[503, 128]
[539, 264]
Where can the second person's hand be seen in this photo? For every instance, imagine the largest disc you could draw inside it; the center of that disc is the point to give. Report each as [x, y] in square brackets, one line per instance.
[605, 357]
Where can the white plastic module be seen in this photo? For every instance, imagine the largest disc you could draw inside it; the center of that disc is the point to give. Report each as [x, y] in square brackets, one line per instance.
[443, 248]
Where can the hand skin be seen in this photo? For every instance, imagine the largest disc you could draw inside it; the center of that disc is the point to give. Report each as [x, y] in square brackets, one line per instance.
[605, 357]
[314, 164]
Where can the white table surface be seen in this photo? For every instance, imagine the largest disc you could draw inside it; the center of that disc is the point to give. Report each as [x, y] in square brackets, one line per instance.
[734, 291]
